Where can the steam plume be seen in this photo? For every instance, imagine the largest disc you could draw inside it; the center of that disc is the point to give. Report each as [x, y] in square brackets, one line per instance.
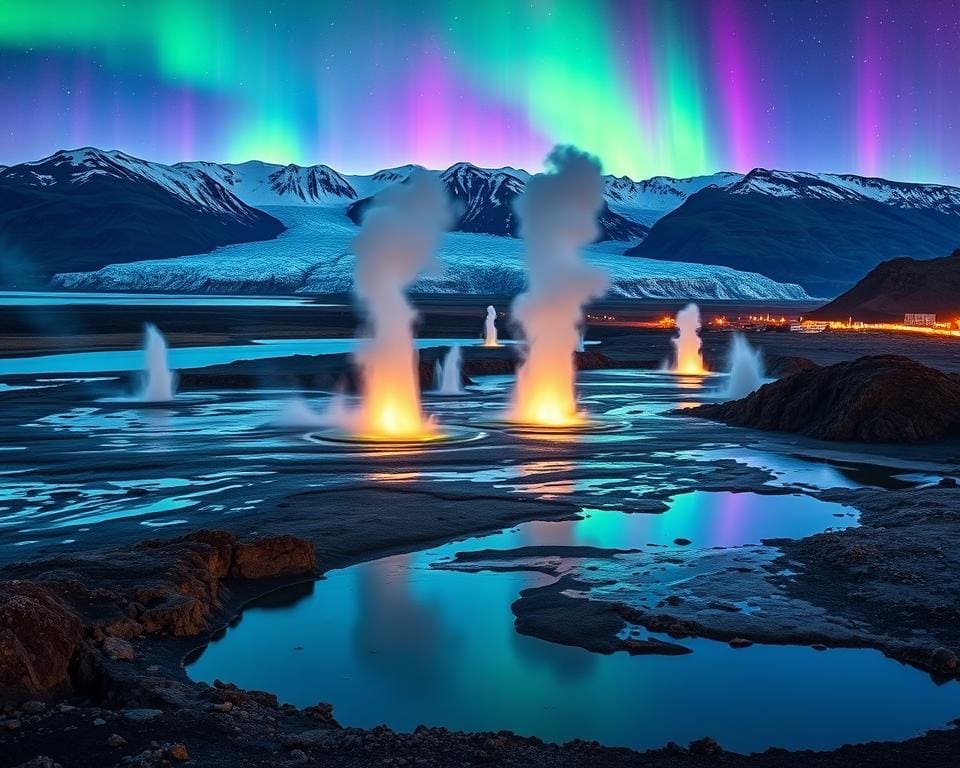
[687, 342]
[558, 215]
[398, 240]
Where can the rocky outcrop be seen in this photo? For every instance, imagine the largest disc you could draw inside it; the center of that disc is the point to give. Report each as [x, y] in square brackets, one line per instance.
[882, 398]
[173, 587]
[781, 366]
[40, 639]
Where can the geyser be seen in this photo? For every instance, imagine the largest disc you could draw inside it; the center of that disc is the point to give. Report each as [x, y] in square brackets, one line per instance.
[558, 216]
[686, 343]
[746, 368]
[490, 328]
[398, 240]
[448, 380]
[159, 382]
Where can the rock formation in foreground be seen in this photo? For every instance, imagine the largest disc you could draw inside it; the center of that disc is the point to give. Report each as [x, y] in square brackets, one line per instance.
[875, 399]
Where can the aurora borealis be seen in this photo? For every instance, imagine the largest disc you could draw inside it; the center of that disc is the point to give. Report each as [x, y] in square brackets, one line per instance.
[678, 87]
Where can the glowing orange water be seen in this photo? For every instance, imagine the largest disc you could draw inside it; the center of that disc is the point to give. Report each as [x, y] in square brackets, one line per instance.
[689, 360]
[690, 364]
[545, 393]
[391, 397]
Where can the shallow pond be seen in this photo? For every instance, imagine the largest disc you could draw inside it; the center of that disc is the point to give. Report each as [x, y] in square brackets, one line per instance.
[396, 641]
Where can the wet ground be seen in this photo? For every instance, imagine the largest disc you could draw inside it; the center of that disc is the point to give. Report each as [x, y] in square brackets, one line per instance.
[415, 628]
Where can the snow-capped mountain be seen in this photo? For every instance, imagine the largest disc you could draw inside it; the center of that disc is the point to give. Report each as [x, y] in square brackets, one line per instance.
[370, 184]
[80, 167]
[484, 200]
[79, 210]
[649, 200]
[850, 188]
[824, 231]
[258, 183]
[84, 208]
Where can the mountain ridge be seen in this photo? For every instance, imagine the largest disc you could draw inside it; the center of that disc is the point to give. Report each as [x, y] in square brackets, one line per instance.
[84, 208]
[823, 231]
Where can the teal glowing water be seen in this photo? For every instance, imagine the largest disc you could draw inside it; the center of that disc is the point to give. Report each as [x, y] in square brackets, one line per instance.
[395, 641]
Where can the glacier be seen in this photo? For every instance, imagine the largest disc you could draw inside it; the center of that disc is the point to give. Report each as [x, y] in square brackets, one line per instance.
[313, 256]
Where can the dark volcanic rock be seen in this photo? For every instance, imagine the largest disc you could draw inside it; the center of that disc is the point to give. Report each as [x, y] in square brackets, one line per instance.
[883, 398]
[897, 287]
[781, 366]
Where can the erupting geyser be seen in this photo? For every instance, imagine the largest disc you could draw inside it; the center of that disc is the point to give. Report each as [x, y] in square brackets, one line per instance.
[490, 328]
[688, 360]
[448, 378]
[398, 240]
[159, 382]
[558, 215]
[746, 368]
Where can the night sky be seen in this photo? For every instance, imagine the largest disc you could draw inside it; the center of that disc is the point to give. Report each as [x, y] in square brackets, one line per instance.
[678, 87]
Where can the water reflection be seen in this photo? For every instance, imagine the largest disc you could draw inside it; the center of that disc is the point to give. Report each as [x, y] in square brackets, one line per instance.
[400, 642]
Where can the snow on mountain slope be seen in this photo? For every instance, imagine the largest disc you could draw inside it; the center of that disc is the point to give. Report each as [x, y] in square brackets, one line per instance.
[649, 200]
[483, 200]
[848, 188]
[80, 166]
[313, 256]
[369, 184]
[260, 184]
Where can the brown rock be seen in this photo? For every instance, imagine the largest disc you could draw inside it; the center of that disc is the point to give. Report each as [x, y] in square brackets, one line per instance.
[118, 649]
[116, 741]
[124, 627]
[39, 638]
[740, 642]
[274, 556]
[178, 752]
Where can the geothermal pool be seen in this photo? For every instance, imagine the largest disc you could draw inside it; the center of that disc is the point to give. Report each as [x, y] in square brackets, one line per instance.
[396, 639]
[401, 642]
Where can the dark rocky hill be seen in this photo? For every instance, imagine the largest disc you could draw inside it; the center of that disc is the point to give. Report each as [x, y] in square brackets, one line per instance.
[899, 286]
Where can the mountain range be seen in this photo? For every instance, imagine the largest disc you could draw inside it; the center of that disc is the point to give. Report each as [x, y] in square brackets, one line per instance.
[87, 208]
[823, 231]
[80, 211]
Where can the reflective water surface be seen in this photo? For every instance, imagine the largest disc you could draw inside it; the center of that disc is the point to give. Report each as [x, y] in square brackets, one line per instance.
[396, 641]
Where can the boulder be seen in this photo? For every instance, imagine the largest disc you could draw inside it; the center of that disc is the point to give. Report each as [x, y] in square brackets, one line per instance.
[874, 399]
[39, 641]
